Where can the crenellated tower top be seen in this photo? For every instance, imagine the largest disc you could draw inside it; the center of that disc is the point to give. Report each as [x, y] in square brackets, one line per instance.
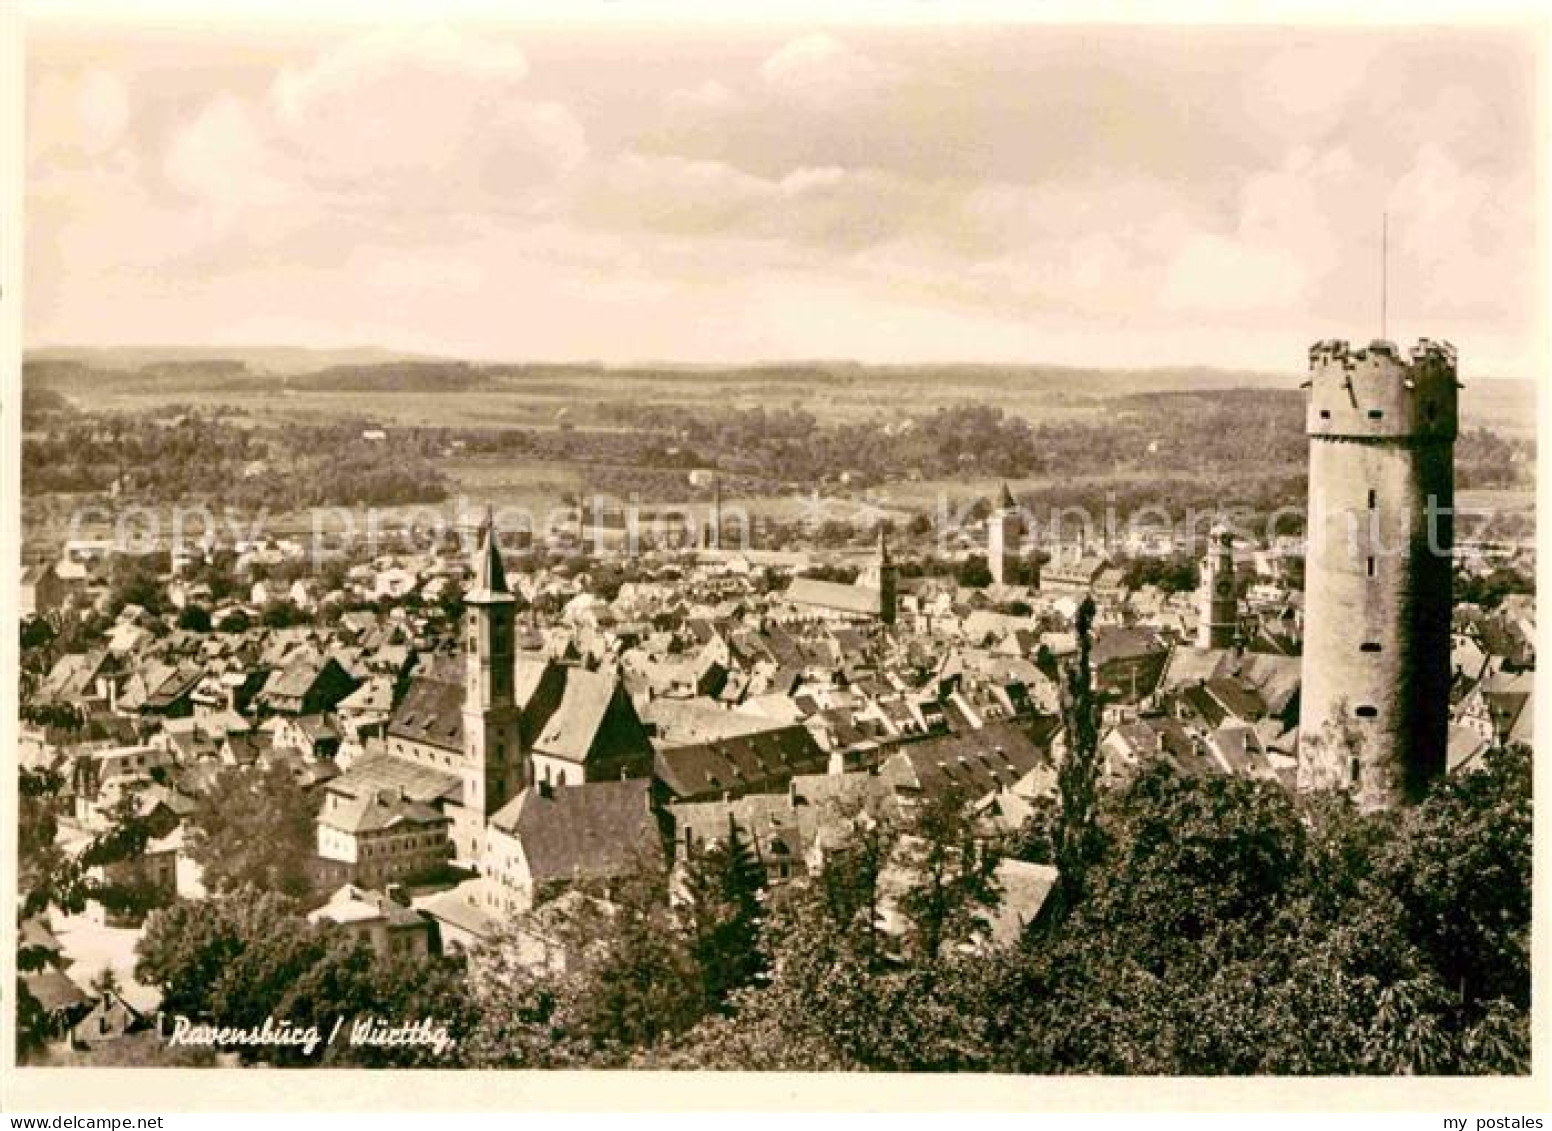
[1380, 393]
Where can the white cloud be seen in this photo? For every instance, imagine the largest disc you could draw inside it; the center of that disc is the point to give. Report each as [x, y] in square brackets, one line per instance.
[392, 57]
[223, 159]
[103, 106]
[390, 134]
[1308, 88]
[76, 118]
[710, 96]
[424, 108]
[850, 183]
[1454, 247]
[820, 70]
[1213, 274]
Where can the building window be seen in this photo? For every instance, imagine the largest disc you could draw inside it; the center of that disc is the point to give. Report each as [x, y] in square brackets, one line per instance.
[1325, 414]
[1370, 646]
[1367, 712]
[1373, 498]
[1371, 565]
[1376, 414]
[1353, 769]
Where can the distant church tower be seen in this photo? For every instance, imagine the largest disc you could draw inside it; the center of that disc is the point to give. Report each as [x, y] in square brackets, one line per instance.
[1218, 624]
[1004, 540]
[493, 769]
[1377, 595]
[888, 580]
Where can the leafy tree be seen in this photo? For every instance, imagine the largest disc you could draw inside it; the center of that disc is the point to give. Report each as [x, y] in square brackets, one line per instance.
[1075, 835]
[281, 614]
[36, 633]
[50, 877]
[954, 876]
[412, 987]
[133, 583]
[630, 982]
[1172, 574]
[189, 950]
[235, 621]
[846, 988]
[523, 1014]
[246, 956]
[1489, 590]
[106, 981]
[255, 826]
[194, 618]
[69, 881]
[723, 888]
[1457, 866]
[638, 989]
[1228, 927]
[1035, 842]
[974, 573]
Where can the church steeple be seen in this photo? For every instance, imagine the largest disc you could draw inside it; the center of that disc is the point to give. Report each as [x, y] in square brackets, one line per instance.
[888, 578]
[493, 767]
[490, 577]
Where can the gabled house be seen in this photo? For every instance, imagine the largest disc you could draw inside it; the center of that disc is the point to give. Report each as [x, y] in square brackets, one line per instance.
[380, 836]
[392, 928]
[551, 836]
[307, 685]
[762, 761]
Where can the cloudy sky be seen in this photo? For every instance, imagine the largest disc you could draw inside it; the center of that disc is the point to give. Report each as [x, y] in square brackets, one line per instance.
[1117, 196]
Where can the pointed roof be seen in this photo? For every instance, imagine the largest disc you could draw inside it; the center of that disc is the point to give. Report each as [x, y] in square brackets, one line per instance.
[490, 578]
[1008, 502]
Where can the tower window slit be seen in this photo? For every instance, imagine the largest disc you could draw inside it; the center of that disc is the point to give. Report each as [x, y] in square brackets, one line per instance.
[1367, 712]
[1369, 646]
[1371, 565]
[1374, 498]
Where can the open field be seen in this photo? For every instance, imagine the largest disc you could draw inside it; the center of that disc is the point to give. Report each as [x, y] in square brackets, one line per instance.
[272, 392]
[277, 384]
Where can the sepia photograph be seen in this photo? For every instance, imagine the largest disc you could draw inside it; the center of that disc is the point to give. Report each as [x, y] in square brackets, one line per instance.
[876, 542]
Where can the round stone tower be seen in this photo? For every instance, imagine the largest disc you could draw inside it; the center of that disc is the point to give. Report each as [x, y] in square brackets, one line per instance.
[1218, 623]
[1374, 705]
